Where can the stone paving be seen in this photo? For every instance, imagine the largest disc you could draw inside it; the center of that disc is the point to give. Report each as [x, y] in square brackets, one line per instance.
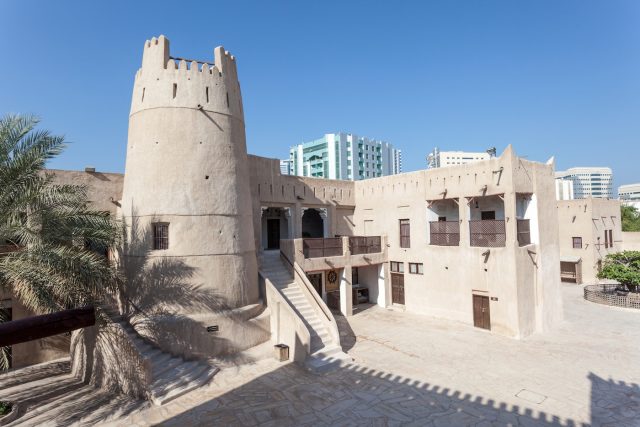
[416, 370]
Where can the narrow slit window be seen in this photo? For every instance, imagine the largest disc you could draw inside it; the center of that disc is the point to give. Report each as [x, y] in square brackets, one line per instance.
[143, 89]
[175, 90]
[405, 234]
[207, 92]
[227, 99]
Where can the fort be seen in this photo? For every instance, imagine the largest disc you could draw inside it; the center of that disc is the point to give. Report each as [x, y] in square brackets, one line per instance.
[223, 254]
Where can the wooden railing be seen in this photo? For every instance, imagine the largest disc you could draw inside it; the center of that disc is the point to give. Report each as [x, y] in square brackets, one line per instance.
[444, 233]
[322, 247]
[487, 233]
[365, 245]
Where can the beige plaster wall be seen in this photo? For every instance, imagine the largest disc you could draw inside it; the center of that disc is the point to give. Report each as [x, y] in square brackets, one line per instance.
[631, 241]
[524, 280]
[589, 218]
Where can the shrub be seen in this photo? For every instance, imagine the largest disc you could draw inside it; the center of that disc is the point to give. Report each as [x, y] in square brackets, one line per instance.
[623, 267]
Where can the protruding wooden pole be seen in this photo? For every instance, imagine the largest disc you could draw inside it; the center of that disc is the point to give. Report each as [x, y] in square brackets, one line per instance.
[36, 327]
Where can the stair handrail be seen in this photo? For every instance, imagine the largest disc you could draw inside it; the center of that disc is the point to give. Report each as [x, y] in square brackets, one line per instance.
[319, 305]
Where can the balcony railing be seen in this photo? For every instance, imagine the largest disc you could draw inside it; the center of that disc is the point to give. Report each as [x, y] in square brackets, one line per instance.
[445, 233]
[364, 245]
[487, 233]
[321, 247]
[524, 232]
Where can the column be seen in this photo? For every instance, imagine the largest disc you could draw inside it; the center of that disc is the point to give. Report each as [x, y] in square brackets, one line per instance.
[290, 225]
[346, 292]
[326, 232]
[463, 215]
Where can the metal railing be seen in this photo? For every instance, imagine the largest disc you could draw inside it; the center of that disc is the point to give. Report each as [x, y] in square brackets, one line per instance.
[322, 247]
[364, 245]
[524, 232]
[444, 233]
[487, 233]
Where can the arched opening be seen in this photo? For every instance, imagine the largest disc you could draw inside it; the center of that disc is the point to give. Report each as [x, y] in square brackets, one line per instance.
[312, 224]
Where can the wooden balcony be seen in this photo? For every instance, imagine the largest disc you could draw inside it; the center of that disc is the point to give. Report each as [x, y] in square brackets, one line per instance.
[444, 233]
[487, 233]
[322, 247]
[364, 245]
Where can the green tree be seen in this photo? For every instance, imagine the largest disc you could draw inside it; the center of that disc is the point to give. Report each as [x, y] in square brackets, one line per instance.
[623, 267]
[53, 244]
[630, 218]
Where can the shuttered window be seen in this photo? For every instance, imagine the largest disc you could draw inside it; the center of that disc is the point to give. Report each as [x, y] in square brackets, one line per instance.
[397, 267]
[405, 234]
[160, 236]
[415, 268]
[577, 242]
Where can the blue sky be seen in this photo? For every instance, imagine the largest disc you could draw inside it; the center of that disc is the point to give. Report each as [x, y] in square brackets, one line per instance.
[550, 77]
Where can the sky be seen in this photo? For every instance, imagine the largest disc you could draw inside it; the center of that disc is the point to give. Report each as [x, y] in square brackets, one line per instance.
[552, 78]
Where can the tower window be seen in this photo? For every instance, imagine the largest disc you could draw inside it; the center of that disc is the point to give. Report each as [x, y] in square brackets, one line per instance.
[227, 99]
[207, 92]
[143, 89]
[160, 236]
[175, 90]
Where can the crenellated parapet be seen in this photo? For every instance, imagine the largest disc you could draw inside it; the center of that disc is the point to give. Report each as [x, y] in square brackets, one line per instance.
[168, 81]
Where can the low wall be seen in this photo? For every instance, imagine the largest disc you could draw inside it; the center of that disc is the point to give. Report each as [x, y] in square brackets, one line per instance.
[606, 294]
[631, 241]
[286, 327]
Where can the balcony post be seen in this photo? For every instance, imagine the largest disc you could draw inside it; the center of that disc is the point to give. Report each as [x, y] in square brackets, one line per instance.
[463, 218]
[511, 224]
[324, 214]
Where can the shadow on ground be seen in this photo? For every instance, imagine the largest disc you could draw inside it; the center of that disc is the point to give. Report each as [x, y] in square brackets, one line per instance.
[357, 395]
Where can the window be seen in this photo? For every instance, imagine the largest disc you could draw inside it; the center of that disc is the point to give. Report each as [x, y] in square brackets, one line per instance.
[442, 218]
[611, 238]
[160, 236]
[606, 238]
[354, 276]
[415, 268]
[577, 242]
[405, 234]
[397, 267]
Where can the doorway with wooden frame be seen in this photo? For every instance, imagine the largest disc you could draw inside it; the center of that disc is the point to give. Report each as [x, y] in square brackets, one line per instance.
[481, 312]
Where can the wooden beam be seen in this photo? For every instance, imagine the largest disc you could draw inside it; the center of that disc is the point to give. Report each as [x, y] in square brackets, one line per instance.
[36, 327]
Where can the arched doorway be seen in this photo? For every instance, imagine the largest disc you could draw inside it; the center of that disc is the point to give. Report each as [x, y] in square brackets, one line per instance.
[312, 223]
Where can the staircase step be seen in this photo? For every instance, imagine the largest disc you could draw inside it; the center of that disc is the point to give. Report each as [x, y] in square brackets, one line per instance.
[160, 369]
[179, 386]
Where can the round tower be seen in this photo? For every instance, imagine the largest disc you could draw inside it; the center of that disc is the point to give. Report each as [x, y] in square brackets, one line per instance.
[186, 197]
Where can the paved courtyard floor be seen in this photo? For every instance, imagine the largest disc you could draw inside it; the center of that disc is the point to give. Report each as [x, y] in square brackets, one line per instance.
[416, 370]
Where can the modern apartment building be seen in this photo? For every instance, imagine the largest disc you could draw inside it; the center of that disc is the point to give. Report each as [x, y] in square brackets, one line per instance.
[438, 159]
[564, 189]
[345, 156]
[596, 182]
[285, 167]
[629, 194]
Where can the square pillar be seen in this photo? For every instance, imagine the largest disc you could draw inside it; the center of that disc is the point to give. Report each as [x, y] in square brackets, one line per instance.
[346, 292]
[463, 215]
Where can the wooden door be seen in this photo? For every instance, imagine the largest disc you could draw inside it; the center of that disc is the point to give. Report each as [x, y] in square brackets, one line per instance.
[397, 288]
[273, 233]
[481, 314]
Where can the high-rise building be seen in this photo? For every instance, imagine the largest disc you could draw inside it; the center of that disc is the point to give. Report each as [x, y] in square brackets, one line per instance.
[564, 189]
[596, 182]
[345, 156]
[285, 167]
[438, 159]
[630, 194]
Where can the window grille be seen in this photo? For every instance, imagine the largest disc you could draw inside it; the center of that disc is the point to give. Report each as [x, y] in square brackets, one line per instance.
[405, 234]
[160, 236]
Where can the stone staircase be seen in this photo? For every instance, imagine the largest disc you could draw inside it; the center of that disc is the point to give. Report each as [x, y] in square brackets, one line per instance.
[325, 353]
[172, 376]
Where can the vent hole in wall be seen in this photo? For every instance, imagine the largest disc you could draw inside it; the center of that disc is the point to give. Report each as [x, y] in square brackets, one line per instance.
[175, 90]
[206, 177]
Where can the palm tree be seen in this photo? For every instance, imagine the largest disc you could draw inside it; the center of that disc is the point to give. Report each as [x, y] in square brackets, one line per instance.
[52, 244]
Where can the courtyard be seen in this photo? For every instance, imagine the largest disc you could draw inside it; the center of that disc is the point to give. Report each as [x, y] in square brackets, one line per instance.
[416, 370]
